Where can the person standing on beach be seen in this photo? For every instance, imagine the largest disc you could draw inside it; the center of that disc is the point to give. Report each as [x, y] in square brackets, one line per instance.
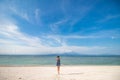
[58, 64]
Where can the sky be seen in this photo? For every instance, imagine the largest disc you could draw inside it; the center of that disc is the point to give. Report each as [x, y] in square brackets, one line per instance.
[88, 27]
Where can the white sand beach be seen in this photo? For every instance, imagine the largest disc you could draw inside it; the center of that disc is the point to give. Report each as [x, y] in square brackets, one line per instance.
[67, 73]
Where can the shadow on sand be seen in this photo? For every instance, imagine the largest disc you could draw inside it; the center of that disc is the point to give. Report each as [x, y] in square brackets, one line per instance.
[73, 74]
[62, 76]
[58, 77]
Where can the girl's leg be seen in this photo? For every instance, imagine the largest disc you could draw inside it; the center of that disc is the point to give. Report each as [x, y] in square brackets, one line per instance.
[58, 68]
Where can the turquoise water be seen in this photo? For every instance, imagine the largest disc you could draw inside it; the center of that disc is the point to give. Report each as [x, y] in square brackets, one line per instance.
[51, 60]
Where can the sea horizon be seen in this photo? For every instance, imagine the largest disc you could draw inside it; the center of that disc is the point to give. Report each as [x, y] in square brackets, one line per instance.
[50, 60]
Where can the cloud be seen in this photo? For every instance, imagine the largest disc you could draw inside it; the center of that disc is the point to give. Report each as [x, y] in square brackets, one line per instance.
[56, 39]
[30, 16]
[10, 31]
[110, 33]
[20, 12]
[37, 13]
[77, 10]
[7, 9]
[13, 41]
[80, 37]
[18, 49]
[55, 27]
[16, 42]
[108, 18]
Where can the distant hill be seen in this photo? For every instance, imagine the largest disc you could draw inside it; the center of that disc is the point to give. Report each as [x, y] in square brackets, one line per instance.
[77, 54]
[68, 54]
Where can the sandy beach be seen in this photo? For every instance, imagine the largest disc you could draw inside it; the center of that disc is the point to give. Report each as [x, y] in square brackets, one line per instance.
[67, 73]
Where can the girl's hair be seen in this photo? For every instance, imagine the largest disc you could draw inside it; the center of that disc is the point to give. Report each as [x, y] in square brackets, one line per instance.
[58, 56]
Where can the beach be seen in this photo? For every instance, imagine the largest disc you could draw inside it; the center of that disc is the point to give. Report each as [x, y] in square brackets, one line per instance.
[67, 73]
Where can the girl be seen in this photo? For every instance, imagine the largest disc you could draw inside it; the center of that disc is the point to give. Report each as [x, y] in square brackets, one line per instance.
[58, 64]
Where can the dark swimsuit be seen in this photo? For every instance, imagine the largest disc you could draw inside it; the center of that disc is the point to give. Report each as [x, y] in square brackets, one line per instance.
[58, 62]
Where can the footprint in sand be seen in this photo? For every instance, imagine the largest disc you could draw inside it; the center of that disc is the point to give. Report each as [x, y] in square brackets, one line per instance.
[20, 78]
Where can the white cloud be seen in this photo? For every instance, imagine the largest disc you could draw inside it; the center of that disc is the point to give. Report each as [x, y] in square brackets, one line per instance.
[17, 49]
[55, 27]
[111, 33]
[11, 31]
[80, 12]
[37, 13]
[59, 40]
[13, 41]
[16, 42]
[20, 12]
[10, 8]
[108, 18]
[25, 16]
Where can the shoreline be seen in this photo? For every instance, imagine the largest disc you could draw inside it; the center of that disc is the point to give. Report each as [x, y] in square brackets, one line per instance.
[50, 65]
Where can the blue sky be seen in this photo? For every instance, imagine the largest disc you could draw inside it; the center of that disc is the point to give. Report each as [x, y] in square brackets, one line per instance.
[60, 26]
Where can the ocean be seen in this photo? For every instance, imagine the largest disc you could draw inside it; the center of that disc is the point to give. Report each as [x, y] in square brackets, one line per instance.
[39, 60]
